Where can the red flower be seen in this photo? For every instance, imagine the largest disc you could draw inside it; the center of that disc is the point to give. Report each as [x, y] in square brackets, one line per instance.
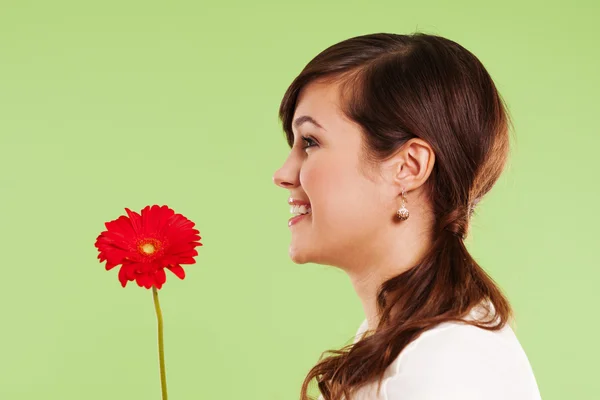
[145, 245]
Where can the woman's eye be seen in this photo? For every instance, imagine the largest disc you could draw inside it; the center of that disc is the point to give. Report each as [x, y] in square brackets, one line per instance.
[309, 141]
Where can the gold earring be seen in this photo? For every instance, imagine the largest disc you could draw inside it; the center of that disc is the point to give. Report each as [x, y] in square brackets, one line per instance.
[403, 213]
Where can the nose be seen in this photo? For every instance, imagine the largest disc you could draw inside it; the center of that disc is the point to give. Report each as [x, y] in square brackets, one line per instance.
[287, 176]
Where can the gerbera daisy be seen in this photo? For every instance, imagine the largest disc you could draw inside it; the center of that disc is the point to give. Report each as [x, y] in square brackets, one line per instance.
[146, 244]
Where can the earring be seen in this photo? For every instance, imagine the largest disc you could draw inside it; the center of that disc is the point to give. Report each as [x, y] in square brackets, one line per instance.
[403, 213]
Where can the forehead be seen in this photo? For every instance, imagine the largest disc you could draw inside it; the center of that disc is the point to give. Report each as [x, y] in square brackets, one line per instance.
[320, 101]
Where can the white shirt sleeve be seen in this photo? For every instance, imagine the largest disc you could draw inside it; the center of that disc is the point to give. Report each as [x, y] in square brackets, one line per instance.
[462, 362]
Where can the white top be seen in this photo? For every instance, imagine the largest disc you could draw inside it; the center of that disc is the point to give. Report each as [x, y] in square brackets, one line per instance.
[456, 361]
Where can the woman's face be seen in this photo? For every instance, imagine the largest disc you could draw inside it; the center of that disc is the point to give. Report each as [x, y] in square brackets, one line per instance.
[350, 211]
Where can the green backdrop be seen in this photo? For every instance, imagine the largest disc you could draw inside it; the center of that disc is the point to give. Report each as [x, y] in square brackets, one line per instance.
[113, 104]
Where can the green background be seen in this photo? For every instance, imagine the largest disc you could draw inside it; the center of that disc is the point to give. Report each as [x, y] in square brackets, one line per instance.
[113, 104]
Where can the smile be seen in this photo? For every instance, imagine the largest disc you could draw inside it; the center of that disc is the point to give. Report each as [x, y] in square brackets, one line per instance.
[294, 220]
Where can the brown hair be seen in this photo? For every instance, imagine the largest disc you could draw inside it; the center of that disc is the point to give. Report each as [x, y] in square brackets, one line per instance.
[398, 87]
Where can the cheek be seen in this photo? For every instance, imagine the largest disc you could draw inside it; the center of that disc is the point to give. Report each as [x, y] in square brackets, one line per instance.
[321, 179]
[336, 190]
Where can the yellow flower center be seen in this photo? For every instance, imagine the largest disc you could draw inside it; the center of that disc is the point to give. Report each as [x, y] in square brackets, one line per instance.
[148, 248]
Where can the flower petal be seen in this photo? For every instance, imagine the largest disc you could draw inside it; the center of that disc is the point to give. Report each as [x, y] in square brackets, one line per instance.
[187, 260]
[110, 265]
[163, 216]
[135, 219]
[124, 274]
[144, 280]
[121, 226]
[177, 270]
[160, 277]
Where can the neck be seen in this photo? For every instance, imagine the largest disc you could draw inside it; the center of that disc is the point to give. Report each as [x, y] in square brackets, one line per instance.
[367, 278]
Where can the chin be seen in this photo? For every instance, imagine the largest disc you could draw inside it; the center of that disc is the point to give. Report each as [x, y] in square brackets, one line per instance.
[299, 256]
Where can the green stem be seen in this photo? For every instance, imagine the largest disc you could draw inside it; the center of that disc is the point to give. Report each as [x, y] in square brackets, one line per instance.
[161, 350]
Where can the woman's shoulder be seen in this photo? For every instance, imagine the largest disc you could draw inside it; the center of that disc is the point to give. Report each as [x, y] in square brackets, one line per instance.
[459, 342]
[465, 361]
[455, 338]
[452, 335]
[457, 360]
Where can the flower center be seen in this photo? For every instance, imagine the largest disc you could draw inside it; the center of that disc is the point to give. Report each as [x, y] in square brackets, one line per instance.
[149, 246]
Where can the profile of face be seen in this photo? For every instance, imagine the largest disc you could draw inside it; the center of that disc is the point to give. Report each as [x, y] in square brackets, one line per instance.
[352, 210]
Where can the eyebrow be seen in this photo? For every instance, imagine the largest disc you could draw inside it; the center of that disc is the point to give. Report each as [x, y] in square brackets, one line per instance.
[305, 118]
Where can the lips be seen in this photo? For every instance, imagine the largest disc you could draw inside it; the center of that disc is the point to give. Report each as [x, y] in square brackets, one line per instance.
[298, 202]
[292, 221]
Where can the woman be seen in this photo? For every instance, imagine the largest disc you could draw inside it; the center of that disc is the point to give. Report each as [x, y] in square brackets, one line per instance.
[394, 139]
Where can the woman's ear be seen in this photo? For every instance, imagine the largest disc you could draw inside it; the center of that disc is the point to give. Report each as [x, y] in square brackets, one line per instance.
[412, 164]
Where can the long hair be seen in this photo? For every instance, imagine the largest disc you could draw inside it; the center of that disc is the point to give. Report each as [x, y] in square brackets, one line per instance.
[398, 87]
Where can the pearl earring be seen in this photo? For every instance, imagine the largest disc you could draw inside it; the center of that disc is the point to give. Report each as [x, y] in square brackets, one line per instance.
[403, 213]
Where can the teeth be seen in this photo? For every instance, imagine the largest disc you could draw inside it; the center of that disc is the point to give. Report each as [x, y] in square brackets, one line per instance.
[296, 209]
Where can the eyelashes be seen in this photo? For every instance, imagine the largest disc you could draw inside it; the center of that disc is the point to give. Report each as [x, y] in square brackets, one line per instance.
[311, 142]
